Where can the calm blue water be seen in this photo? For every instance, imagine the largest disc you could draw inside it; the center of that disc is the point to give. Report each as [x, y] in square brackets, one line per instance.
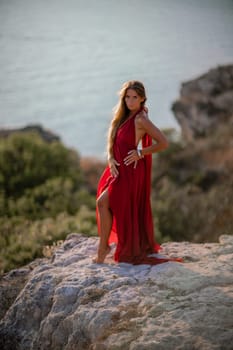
[62, 62]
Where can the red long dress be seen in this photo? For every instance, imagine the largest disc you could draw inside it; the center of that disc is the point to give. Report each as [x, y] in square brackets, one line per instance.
[129, 199]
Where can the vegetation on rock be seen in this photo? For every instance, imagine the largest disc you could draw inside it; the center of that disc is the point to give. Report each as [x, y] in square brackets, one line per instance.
[43, 197]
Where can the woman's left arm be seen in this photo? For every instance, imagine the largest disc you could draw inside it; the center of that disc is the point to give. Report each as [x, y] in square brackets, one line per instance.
[144, 124]
[160, 140]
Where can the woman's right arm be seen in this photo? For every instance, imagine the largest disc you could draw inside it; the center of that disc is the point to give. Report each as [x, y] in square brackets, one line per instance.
[111, 160]
[112, 163]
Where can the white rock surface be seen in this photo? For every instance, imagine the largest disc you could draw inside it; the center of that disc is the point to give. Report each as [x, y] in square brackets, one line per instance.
[69, 303]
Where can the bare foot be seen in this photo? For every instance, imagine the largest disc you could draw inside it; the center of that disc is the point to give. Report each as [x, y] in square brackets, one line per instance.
[102, 253]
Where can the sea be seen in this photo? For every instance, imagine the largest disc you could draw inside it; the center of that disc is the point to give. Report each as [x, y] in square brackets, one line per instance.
[62, 62]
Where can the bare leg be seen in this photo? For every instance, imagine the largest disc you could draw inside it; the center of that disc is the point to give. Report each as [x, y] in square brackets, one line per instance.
[105, 217]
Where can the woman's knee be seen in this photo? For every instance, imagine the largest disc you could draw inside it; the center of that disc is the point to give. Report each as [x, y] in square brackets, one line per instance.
[102, 202]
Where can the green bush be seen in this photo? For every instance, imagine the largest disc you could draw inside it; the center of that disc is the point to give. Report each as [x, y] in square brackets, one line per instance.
[27, 161]
[43, 197]
[23, 240]
[49, 199]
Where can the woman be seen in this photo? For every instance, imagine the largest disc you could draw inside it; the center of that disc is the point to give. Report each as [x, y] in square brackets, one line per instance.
[123, 194]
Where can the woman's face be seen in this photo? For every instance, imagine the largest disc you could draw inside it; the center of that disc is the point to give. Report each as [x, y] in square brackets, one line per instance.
[133, 100]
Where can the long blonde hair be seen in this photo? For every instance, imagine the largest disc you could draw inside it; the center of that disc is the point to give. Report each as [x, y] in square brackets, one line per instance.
[121, 111]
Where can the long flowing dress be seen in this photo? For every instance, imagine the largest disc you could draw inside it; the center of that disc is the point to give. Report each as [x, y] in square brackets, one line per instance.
[129, 200]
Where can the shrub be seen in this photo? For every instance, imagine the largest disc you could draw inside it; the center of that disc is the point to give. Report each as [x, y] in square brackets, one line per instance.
[43, 197]
[23, 240]
[27, 161]
[49, 199]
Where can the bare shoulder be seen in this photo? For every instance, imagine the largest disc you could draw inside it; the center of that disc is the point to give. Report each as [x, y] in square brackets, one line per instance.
[142, 118]
[143, 121]
[147, 126]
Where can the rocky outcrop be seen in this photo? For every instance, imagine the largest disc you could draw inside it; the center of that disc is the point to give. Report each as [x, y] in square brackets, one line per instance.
[45, 134]
[193, 182]
[69, 303]
[205, 102]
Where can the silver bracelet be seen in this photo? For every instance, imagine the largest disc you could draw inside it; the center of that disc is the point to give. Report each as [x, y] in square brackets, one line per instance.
[139, 152]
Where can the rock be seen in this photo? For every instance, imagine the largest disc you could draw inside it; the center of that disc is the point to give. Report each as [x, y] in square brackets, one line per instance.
[205, 102]
[192, 179]
[13, 282]
[45, 134]
[69, 303]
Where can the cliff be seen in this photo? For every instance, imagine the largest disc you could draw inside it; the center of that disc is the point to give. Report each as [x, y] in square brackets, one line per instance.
[205, 103]
[69, 303]
[193, 182]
